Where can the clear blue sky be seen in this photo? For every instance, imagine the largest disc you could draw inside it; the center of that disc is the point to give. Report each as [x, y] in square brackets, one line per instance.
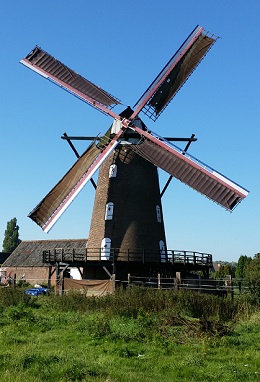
[121, 46]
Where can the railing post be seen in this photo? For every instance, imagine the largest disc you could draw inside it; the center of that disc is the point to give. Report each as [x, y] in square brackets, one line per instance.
[177, 281]
[240, 286]
[57, 281]
[228, 285]
[113, 279]
[128, 279]
[49, 277]
[159, 281]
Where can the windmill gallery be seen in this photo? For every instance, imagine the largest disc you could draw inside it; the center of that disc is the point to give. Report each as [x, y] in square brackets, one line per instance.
[127, 229]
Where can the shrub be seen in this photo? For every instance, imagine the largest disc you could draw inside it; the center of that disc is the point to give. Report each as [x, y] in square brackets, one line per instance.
[13, 296]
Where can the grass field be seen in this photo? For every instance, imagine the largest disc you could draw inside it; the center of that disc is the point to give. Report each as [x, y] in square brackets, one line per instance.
[135, 335]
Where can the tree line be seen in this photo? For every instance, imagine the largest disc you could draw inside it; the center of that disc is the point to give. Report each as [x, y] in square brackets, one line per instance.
[247, 268]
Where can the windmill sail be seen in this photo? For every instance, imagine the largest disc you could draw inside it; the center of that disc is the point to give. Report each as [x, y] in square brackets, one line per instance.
[151, 147]
[189, 170]
[49, 210]
[47, 66]
[175, 73]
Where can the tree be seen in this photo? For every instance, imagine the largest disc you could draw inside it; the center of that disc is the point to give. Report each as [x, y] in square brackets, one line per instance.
[224, 270]
[242, 265]
[11, 238]
[220, 273]
[229, 269]
[253, 276]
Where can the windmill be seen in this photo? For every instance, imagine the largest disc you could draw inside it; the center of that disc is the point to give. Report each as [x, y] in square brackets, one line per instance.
[127, 221]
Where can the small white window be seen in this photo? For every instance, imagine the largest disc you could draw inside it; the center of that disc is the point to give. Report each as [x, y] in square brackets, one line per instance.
[109, 211]
[158, 214]
[105, 248]
[112, 171]
[162, 251]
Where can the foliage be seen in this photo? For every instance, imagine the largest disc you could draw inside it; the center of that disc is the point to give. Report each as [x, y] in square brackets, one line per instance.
[224, 270]
[253, 276]
[14, 296]
[131, 302]
[242, 265]
[11, 238]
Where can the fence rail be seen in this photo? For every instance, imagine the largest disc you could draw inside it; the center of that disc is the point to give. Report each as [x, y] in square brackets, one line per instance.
[220, 287]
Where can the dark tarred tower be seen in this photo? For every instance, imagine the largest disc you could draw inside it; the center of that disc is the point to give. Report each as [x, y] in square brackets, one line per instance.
[127, 213]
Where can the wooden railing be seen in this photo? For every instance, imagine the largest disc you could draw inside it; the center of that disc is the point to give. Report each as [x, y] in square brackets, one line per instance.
[138, 255]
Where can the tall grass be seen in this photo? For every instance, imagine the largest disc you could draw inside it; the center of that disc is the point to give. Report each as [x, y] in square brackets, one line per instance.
[131, 301]
[135, 334]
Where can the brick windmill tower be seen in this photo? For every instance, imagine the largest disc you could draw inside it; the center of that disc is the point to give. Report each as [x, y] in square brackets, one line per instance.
[127, 221]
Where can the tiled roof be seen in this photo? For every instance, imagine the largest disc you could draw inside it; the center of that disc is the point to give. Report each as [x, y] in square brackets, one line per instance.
[29, 252]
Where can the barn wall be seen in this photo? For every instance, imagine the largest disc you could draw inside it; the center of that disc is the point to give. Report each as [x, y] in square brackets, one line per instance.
[33, 275]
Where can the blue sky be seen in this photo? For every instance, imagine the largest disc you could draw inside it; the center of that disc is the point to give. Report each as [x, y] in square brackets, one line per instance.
[121, 46]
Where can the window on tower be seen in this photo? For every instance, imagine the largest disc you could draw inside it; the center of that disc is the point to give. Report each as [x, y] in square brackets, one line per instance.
[112, 171]
[109, 211]
[105, 248]
[158, 214]
[162, 251]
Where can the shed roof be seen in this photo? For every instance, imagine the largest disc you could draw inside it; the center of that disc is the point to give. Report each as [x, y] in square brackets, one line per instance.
[29, 252]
